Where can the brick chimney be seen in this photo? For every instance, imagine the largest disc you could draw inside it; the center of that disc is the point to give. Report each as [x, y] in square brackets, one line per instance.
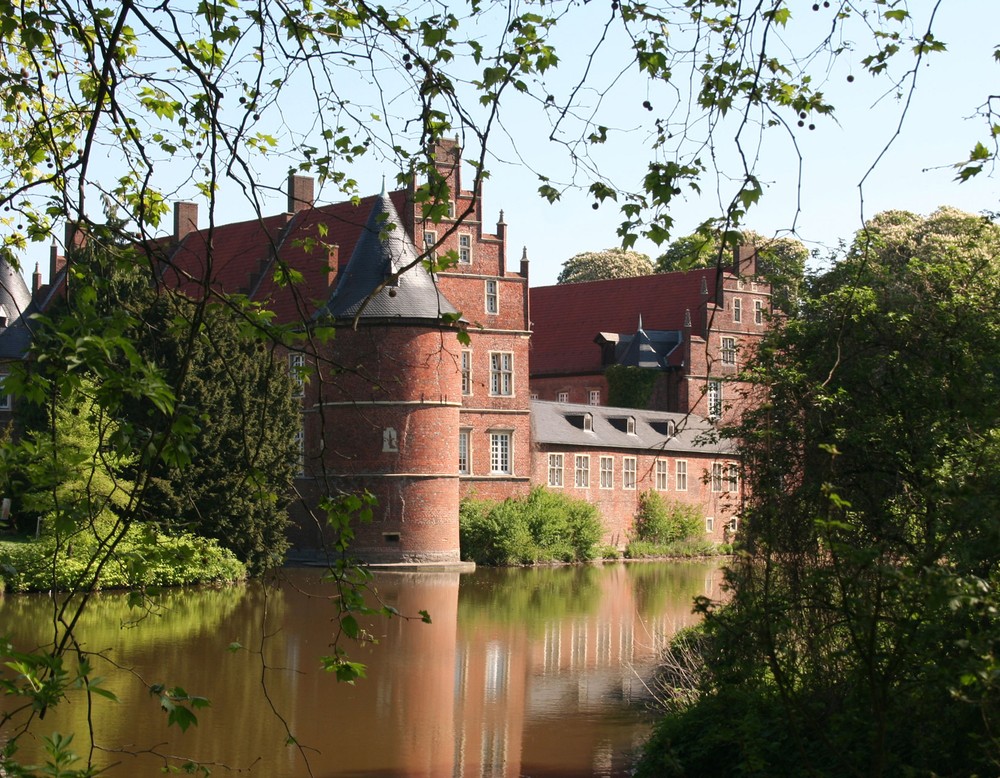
[185, 220]
[56, 262]
[300, 192]
[745, 261]
[36, 279]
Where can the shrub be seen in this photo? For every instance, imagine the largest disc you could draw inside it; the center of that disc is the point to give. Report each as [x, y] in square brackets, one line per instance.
[542, 527]
[661, 521]
[143, 558]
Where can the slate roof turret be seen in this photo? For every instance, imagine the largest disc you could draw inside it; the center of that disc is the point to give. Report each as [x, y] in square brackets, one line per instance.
[381, 252]
[15, 299]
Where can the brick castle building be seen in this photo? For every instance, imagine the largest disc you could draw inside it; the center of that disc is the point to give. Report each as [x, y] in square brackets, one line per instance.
[397, 404]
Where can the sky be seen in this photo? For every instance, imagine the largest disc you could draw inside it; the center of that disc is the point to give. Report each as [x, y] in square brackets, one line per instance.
[812, 178]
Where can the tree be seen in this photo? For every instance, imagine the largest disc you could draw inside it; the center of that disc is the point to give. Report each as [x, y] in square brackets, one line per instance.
[781, 261]
[862, 624]
[134, 104]
[599, 265]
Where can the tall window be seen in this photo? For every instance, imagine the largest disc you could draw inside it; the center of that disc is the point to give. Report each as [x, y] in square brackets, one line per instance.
[628, 473]
[737, 310]
[732, 478]
[717, 477]
[464, 452]
[709, 524]
[5, 400]
[595, 396]
[714, 399]
[607, 473]
[758, 312]
[729, 351]
[466, 371]
[556, 470]
[630, 425]
[500, 453]
[662, 474]
[501, 373]
[465, 249]
[296, 366]
[681, 475]
[300, 447]
[492, 296]
[581, 478]
[430, 238]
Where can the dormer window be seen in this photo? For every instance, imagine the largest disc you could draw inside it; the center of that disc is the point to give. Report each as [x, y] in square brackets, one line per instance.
[582, 421]
[630, 425]
[588, 422]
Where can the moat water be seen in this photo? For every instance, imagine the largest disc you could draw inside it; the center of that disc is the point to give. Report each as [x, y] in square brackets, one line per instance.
[524, 672]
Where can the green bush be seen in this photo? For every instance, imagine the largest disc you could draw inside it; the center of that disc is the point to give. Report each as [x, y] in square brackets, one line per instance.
[143, 558]
[661, 521]
[542, 527]
[692, 547]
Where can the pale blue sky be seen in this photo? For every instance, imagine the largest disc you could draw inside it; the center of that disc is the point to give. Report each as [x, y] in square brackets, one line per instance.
[913, 174]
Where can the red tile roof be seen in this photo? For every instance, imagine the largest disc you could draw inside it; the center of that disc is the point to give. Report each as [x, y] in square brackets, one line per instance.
[566, 317]
[245, 256]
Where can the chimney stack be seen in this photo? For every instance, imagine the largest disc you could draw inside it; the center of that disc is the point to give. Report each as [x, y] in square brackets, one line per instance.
[300, 192]
[36, 280]
[745, 262]
[185, 219]
[56, 262]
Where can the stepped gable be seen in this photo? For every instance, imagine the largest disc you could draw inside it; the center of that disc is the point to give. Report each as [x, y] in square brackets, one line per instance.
[379, 253]
[15, 299]
[565, 317]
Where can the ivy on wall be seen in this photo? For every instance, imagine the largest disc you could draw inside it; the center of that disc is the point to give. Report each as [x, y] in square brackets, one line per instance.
[629, 386]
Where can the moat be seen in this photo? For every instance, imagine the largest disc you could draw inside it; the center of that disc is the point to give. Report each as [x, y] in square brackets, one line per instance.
[521, 672]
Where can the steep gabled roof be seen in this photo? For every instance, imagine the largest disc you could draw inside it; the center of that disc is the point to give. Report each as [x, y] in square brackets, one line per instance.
[566, 317]
[368, 287]
[247, 257]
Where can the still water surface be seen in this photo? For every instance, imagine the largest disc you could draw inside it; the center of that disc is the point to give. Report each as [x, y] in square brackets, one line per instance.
[524, 672]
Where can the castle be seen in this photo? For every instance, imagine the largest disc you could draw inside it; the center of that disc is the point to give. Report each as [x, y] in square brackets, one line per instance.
[396, 403]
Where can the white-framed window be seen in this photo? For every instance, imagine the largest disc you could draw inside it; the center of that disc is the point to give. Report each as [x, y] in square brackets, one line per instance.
[533, 395]
[300, 447]
[588, 422]
[562, 397]
[466, 372]
[728, 351]
[595, 397]
[556, 470]
[581, 473]
[501, 373]
[733, 525]
[492, 296]
[430, 239]
[758, 312]
[662, 475]
[732, 478]
[6, 402]
[500, 456]
[628, 472]
[737, 309]
[464, 451]
[716, 476]
[607, 472]
[451, 209]
[465, 249]
[681, 475]
[296, 369]
[709, 524]
[714, 392]
[630, 425]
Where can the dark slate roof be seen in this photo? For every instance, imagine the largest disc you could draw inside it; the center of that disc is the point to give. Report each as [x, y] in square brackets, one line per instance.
[15, 336]
[384, 248]
[650, 349]
[557, 424]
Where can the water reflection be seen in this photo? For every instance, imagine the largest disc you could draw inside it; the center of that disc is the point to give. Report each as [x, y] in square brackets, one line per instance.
[522, 672]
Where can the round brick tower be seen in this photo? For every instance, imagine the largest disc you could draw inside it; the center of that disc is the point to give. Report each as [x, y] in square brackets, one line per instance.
[386, 399]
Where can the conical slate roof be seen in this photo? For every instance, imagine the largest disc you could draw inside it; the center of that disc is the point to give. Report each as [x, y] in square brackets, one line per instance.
[15, 337]
[379, 253]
